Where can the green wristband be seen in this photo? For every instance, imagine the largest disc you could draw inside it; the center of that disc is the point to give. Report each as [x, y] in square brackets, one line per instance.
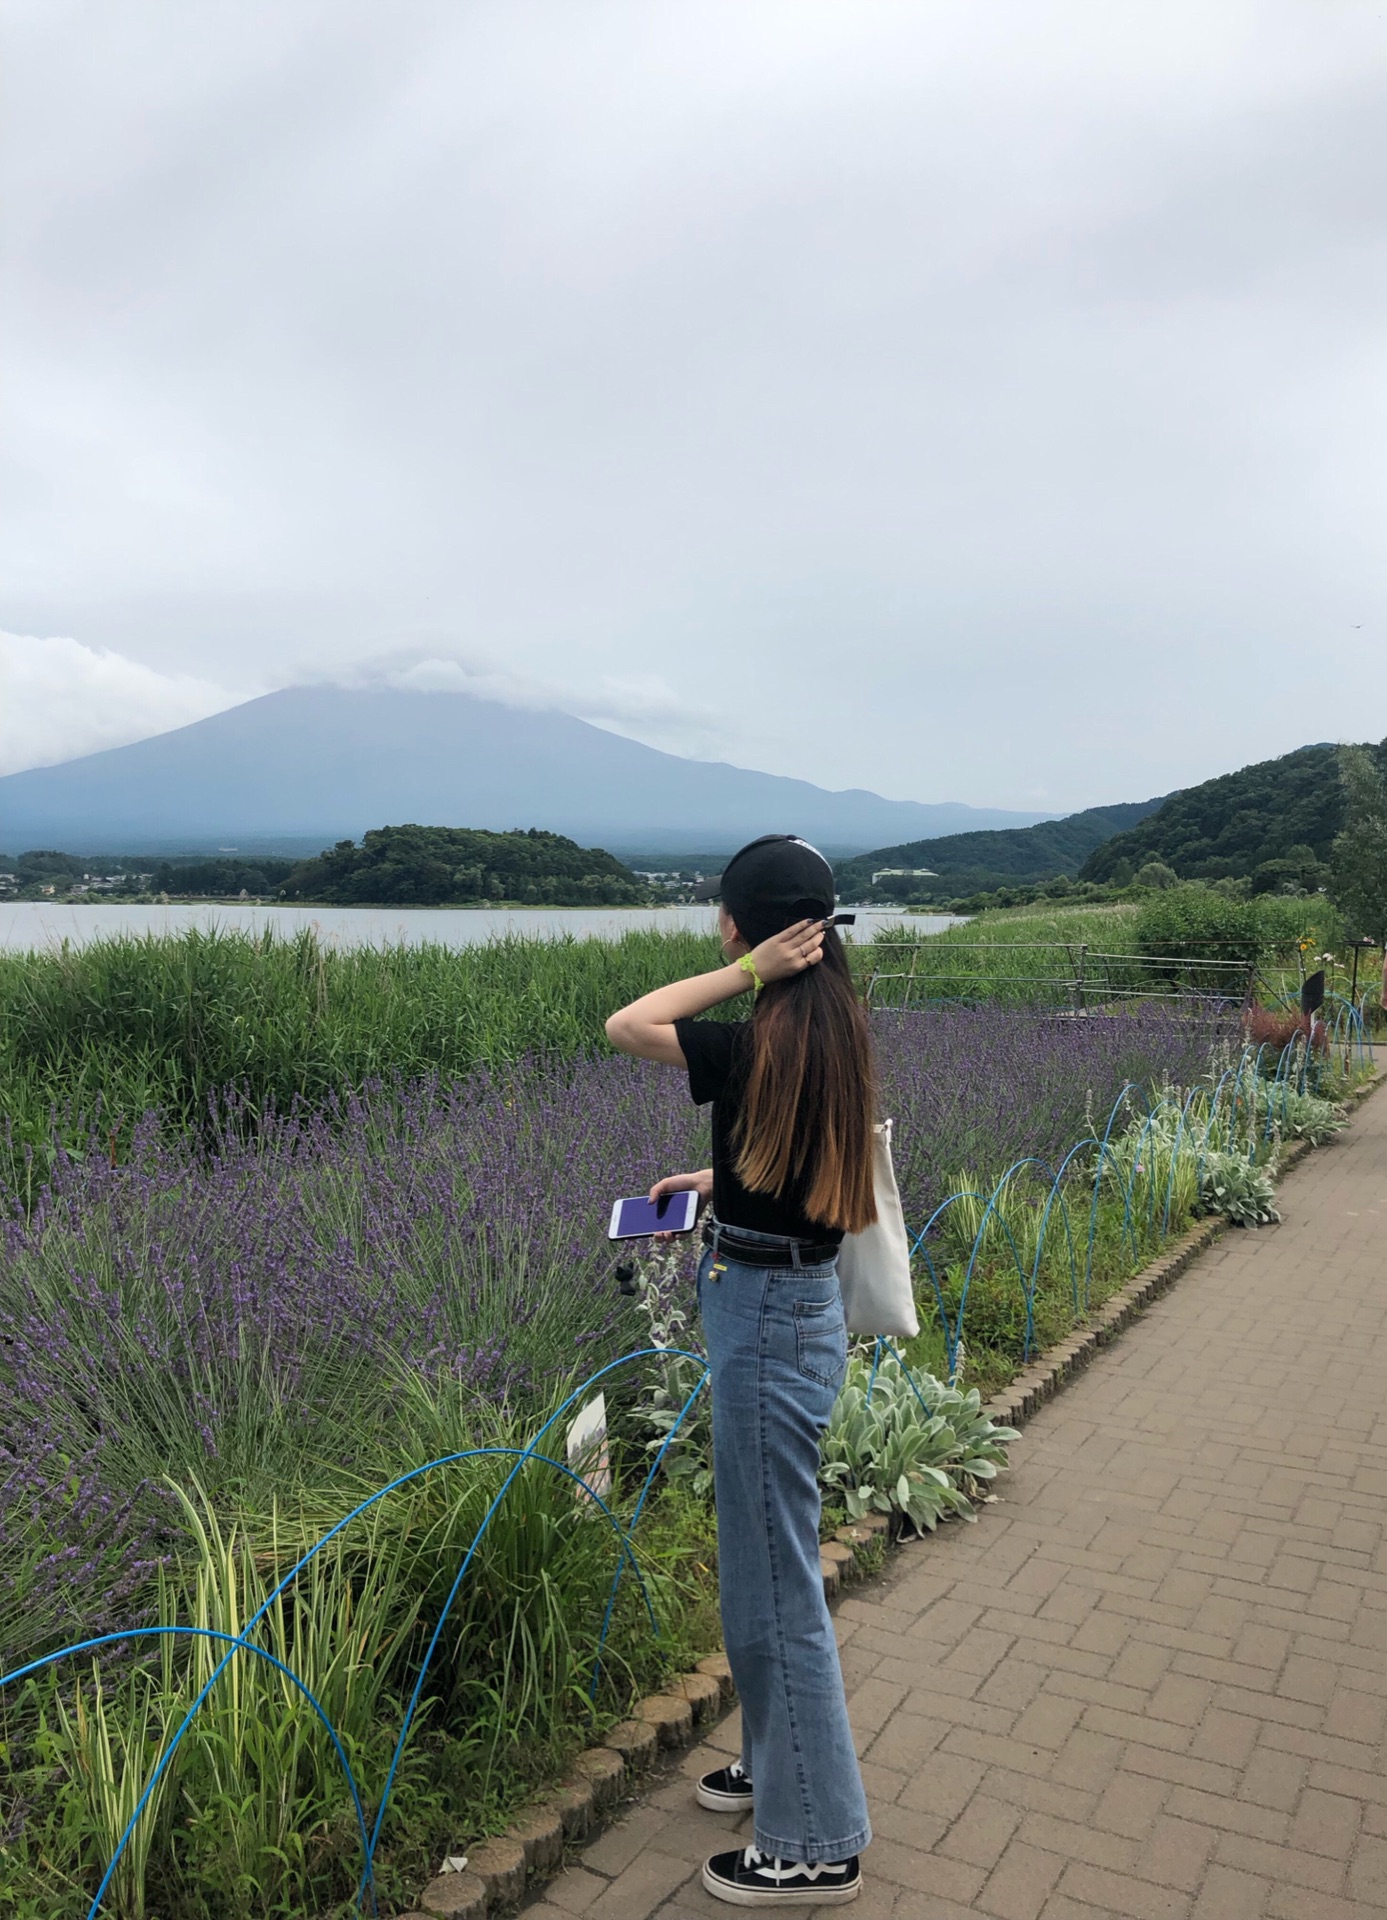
[748, 965]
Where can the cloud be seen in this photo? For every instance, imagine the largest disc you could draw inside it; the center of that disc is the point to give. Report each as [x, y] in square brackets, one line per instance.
[645, 706]
[63, 700]
[982, 403]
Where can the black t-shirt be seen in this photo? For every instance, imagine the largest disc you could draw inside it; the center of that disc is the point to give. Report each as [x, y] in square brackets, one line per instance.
[718, 1053]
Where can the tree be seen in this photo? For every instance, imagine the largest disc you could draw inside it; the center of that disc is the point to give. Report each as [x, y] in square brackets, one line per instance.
[1299, 872]
[1157, 874]
[46, 863]
[430, 866]
[1230, 825]
[1358, 860]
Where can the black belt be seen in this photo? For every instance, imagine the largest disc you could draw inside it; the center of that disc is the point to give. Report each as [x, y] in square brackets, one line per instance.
[758, 1253]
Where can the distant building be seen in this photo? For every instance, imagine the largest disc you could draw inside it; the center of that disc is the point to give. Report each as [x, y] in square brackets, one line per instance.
[904, 873]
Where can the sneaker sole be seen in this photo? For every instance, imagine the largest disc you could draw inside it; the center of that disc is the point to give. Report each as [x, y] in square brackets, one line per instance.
[723, 1802]
[800, 1897]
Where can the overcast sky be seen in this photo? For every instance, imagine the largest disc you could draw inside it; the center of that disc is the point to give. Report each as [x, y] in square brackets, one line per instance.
[976, 400]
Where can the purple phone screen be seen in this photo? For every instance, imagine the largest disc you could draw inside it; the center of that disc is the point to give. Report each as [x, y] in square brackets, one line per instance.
[672, 1213]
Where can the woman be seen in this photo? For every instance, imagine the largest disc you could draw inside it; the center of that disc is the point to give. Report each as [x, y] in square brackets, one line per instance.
[793, 1105]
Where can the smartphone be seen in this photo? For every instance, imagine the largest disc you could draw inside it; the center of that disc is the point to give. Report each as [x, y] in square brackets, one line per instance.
[671, 1213]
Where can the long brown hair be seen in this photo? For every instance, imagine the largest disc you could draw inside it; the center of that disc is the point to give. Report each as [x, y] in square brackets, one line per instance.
[810, 1097]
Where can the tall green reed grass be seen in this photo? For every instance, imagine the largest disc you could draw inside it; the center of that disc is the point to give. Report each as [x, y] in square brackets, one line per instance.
[1090, 956]
[253, 1816]
[1011, 957]
[121, 1026]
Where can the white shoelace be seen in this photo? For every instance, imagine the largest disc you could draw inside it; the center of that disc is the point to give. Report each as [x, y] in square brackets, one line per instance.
[777, 1869]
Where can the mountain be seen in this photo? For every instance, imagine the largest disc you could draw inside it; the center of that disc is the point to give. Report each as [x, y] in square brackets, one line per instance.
[1232, 825]
[312, 765]
[980, 862]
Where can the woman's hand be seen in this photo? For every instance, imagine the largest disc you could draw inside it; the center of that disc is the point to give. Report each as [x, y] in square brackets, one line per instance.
[700, 1183]
[786, 954]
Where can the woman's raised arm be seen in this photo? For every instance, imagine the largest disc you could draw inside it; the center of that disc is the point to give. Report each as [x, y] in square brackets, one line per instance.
[646, 1027]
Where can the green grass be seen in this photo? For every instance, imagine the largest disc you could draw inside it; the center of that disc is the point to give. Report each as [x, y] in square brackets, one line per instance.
[1089, 956]
[995, 1319]
[125, 1025]
[1012, 956]
[1092, 1243]
[128, 1024]
[254, 1817]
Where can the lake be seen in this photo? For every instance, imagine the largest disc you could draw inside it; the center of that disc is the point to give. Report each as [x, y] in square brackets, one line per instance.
[29, 924]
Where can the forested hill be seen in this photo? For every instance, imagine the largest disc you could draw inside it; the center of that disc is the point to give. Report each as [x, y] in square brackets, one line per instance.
[1229, 827]
[462, 866]
[974, 862]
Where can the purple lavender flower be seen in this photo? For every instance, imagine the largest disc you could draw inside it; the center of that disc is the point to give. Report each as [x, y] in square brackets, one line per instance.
[253, 1313]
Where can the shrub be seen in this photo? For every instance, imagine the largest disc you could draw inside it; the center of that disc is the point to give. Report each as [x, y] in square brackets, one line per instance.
[664, 1413]
[1359, 857]
[981, 1088]
[1274, 1028]
[1196, 923]
[1237, 1188]
[914, 1449]
[1304, 1116]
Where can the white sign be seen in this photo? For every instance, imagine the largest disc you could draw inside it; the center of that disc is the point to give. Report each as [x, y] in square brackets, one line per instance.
[587, 1447]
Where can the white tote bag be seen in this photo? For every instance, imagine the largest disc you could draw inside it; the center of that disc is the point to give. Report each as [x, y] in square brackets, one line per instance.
[874, 1265]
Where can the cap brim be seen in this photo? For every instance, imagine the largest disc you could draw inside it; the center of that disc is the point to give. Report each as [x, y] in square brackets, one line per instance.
[709, 889]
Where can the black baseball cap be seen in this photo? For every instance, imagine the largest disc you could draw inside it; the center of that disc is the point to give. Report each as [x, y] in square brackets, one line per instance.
[772, 882]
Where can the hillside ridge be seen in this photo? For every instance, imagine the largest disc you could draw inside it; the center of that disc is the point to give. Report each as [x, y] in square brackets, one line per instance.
[1271, 823]
[981, 860]
[1230, 827]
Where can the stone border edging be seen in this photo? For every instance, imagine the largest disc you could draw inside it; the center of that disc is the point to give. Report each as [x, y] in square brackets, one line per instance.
[500, 1872]
[1357, 1095]
[1029, 1391]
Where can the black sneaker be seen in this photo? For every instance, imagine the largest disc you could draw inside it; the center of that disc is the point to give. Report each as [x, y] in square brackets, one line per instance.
[726, 1791]
[750, 1878]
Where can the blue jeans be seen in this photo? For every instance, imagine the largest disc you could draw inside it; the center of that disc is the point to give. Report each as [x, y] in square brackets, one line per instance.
[777, 1348]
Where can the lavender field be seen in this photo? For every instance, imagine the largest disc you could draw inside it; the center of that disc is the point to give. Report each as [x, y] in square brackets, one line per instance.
[260, 1323]
[249, 1314]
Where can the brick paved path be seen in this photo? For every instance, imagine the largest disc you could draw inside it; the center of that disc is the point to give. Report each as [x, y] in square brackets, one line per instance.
[1152, 1682]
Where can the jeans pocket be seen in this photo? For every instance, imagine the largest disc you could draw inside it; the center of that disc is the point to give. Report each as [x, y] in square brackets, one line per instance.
[821, 1338]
